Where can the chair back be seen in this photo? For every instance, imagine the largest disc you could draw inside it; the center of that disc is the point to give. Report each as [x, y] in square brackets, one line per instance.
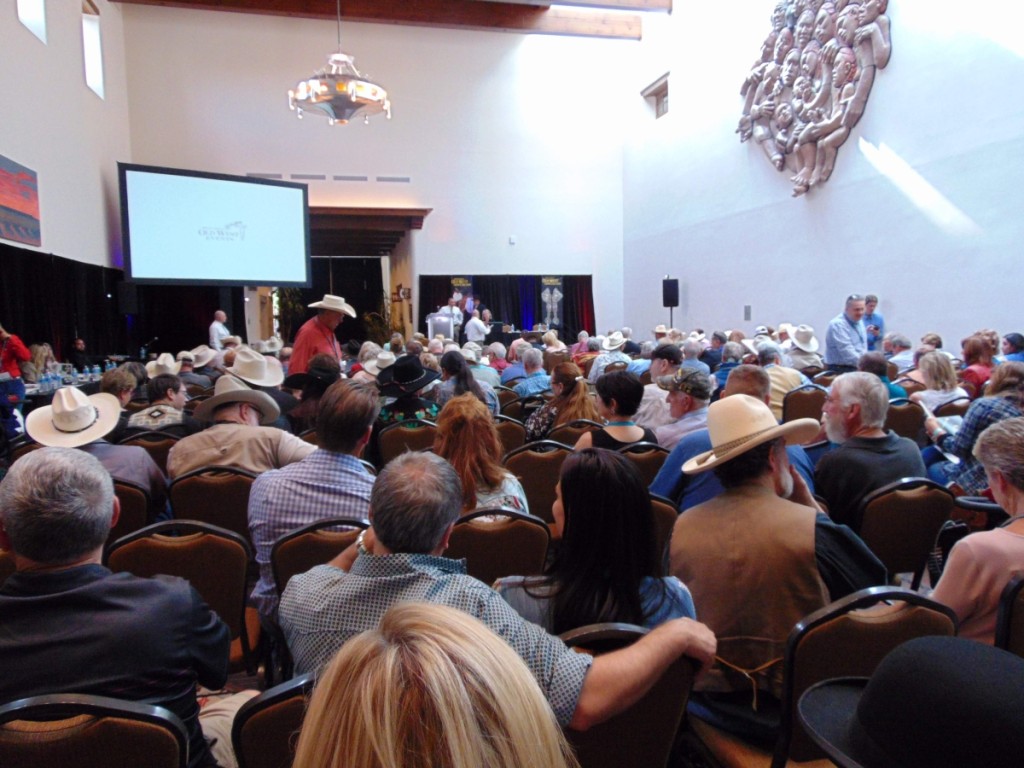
[900, 521]
[505, 395]
[892, 371]
[265, 731]
[825, 378]
[195, 390]
[411, 435]
[811, 371]
[134, 406]
[309, 436]
[551, 359]
[311, 545]
[134, 500]
[665, 516]
[906, 419]
[910, 386]
[644, 733]
[614, 367]
[537, 465]
[513, 409]
[571, 431]
[647, 457]
[957, 407]
[512, 433]
[215, 495]
[498, 542]
[645, 377]
[804, 402]
[67, 729]
[848, 639]
[1010, 619]
[213, 560]
[22, 445]
[157, 444]
[191, 405]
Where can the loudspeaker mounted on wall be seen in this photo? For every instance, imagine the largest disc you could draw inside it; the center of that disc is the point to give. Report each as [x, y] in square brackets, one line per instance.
[670, 292]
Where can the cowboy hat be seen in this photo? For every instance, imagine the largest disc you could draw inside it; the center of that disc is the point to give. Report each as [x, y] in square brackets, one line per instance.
[613, 341]
[73, 419]
[231, 340]
[231, 390]
[385, 359]
[751, 344]
[164, 364]
[321, 376]
[689, 381]
[406, 376]
[185, 357]
[203, 356]
[660, 328]
[696, 336]
[932, 701]
[803, 338]
[253, 367]
[741, 422]
[470, 354]
[273, 344]
[335, 304]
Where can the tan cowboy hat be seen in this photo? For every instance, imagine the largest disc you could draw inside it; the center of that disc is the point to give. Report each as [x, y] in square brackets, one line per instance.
[233, 340]
[185, 357]
[804, 338]
[385, 359]
[335, 304]
[203, 356]
[73, 419]
[660, 328]
[256, 368]
[696, 336]
[470, 354]
[165, 364]
[613, 341]
[741, 422]
[273, 344]
[231, 390]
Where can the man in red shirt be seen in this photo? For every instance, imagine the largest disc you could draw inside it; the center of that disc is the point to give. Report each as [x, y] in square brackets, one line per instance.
[316, 336]
[13, 352]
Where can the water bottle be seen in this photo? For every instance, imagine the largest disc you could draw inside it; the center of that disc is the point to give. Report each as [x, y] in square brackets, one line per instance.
[96, 373]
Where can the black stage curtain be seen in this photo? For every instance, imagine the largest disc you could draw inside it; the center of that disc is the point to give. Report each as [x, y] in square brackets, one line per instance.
[361, 284]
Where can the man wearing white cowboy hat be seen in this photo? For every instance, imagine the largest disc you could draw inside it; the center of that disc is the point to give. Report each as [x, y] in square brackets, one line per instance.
[316, 336]
[237, 437]
[757, 559]
[74, 420]
[187, 372]
[204, 361]
[266, 374]
[612, 346]
[803, 352]
[165, 364]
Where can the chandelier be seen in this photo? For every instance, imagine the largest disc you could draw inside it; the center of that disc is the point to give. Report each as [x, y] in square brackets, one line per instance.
[339, 92]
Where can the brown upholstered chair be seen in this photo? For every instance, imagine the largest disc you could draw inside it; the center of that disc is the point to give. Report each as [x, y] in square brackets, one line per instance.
[644, 733]
[571, 431]
[195, 390]
[613, 367]
[645, 377]
[310, 436]
[505, 396]
[215, 495]
[537, 465]
[648, 458]
[906, 419]
[67, 729]
[157, 444]
[551, 359]
[191, 405]
[910, 386]
[825, 378]
[805, 402]
[411, 435]
[134, 406]
[135, 512]
[892, 371]
[665, 516]
[213, 560]
[21, 445]
[845, 639]
[266, 729]
[512, 433]
[1010, 619]
[900, 521]
[957, 407]
[314, 544]
[513, 544]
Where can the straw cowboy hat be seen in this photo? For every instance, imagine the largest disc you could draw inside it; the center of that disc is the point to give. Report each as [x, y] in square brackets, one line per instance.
[202, 356]
[660, 328]
[613, 341]
[231, 390]
[273, 344]
[165, 364]
[385, 359]
[231, 341]
[741, 422]
[73, 419]
[470, 354]
[803, 338]
[335, 304]
[406, 376]
[256, 368]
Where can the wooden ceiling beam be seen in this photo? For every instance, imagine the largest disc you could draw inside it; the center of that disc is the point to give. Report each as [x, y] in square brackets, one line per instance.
[610, 5]
[452, 14]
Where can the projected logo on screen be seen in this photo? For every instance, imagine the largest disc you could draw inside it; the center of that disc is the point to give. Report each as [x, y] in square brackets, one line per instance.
[233, 232]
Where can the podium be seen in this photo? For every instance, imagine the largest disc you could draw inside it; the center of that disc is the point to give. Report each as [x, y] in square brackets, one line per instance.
[438, 323]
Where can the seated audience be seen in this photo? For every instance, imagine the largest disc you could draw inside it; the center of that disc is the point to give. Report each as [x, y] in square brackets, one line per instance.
[166, 412]
[803, 352]
[514, 369]
[689, 391]
[981, 565]
[429, 678]
[977, 356]
[692, 350]
[592, 351]
[606, 567]
[784, 379]
[187, 372]
[939, 378]
[482, 373]
[41, 362]
[902, 352]
[875, 364]
[468, 440]
[654, 411]
[322, 372]
[367, 362]
[630, 347]
[571, 401]
[732, 356]
[457, 379]
[204, 362]
[712, 355]
[496, 352]
[580, 347]
[120, 383]
[1012, 348]
[618, 397]
[613, 353]
[914, 374]
[867, 456]
[552, 343]
[536, 380]
[405, 382]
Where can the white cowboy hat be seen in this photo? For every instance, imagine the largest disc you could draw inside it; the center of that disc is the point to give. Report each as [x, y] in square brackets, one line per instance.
[273, 344]
[384, 359]
[696, 336]
[233, 340]
[231, 390]
[751, 344]
[741, 422]
[185, 356]
[803, 338]
[660, 328]
[165, 364]
[335, 304]
[614, 341]
[256, 368]
[470, 354]
[73, 419]
[203, 356]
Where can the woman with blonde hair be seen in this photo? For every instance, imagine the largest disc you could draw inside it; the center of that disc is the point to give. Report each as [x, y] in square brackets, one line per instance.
[430, 687]
[42, 356]
[571, 401]
[552, 343]
[468, 440]
[940, 379]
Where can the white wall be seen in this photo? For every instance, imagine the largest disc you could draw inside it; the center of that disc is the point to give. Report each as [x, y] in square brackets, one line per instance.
[704, 208]
[501, 134]
[54, 124]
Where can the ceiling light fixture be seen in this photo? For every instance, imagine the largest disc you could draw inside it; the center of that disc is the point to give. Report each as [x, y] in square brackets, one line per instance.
[339, 92]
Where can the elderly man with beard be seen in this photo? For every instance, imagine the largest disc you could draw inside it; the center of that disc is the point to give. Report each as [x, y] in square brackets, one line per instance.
[868, 457]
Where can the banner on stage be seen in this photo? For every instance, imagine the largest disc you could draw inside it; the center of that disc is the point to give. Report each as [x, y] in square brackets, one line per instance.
[551, 297]
[462, 290]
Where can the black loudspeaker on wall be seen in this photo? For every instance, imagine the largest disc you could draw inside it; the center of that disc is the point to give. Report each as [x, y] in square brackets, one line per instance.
[670, 293]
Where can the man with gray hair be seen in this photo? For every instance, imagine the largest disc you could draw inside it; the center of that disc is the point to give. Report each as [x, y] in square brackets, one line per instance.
[902, 352]
[72, 626]
[536, 380]
[692, 351]
[868, 457]
[784, 380]
[416, 500]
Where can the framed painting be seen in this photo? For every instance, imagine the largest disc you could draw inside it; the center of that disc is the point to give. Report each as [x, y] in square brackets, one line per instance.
[19, 203]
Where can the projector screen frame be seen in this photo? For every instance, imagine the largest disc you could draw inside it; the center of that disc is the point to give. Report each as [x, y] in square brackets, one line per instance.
[125, 214]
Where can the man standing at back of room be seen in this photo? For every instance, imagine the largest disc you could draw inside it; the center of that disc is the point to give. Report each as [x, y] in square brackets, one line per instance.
[218, 330]
[316, 336]
[846, 339]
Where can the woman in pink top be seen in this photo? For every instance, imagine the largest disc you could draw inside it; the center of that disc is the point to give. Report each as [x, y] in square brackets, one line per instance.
[981, 564]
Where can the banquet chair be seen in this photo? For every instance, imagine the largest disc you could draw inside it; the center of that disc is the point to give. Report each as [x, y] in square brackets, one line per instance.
[538, 465]
[497, 542]
[1010, 618]
[266, 729]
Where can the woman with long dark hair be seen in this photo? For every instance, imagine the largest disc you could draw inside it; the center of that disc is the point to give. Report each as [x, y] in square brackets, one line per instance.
[457, 380]
[571, 401]
[607, 567]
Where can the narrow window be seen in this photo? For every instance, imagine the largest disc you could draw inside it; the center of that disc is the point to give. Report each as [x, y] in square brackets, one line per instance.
[32, 13]
[92, 47]
[657, 95]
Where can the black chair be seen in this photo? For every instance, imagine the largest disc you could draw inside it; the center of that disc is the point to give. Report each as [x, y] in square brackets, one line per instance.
[1010, 618]
[266, 729]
